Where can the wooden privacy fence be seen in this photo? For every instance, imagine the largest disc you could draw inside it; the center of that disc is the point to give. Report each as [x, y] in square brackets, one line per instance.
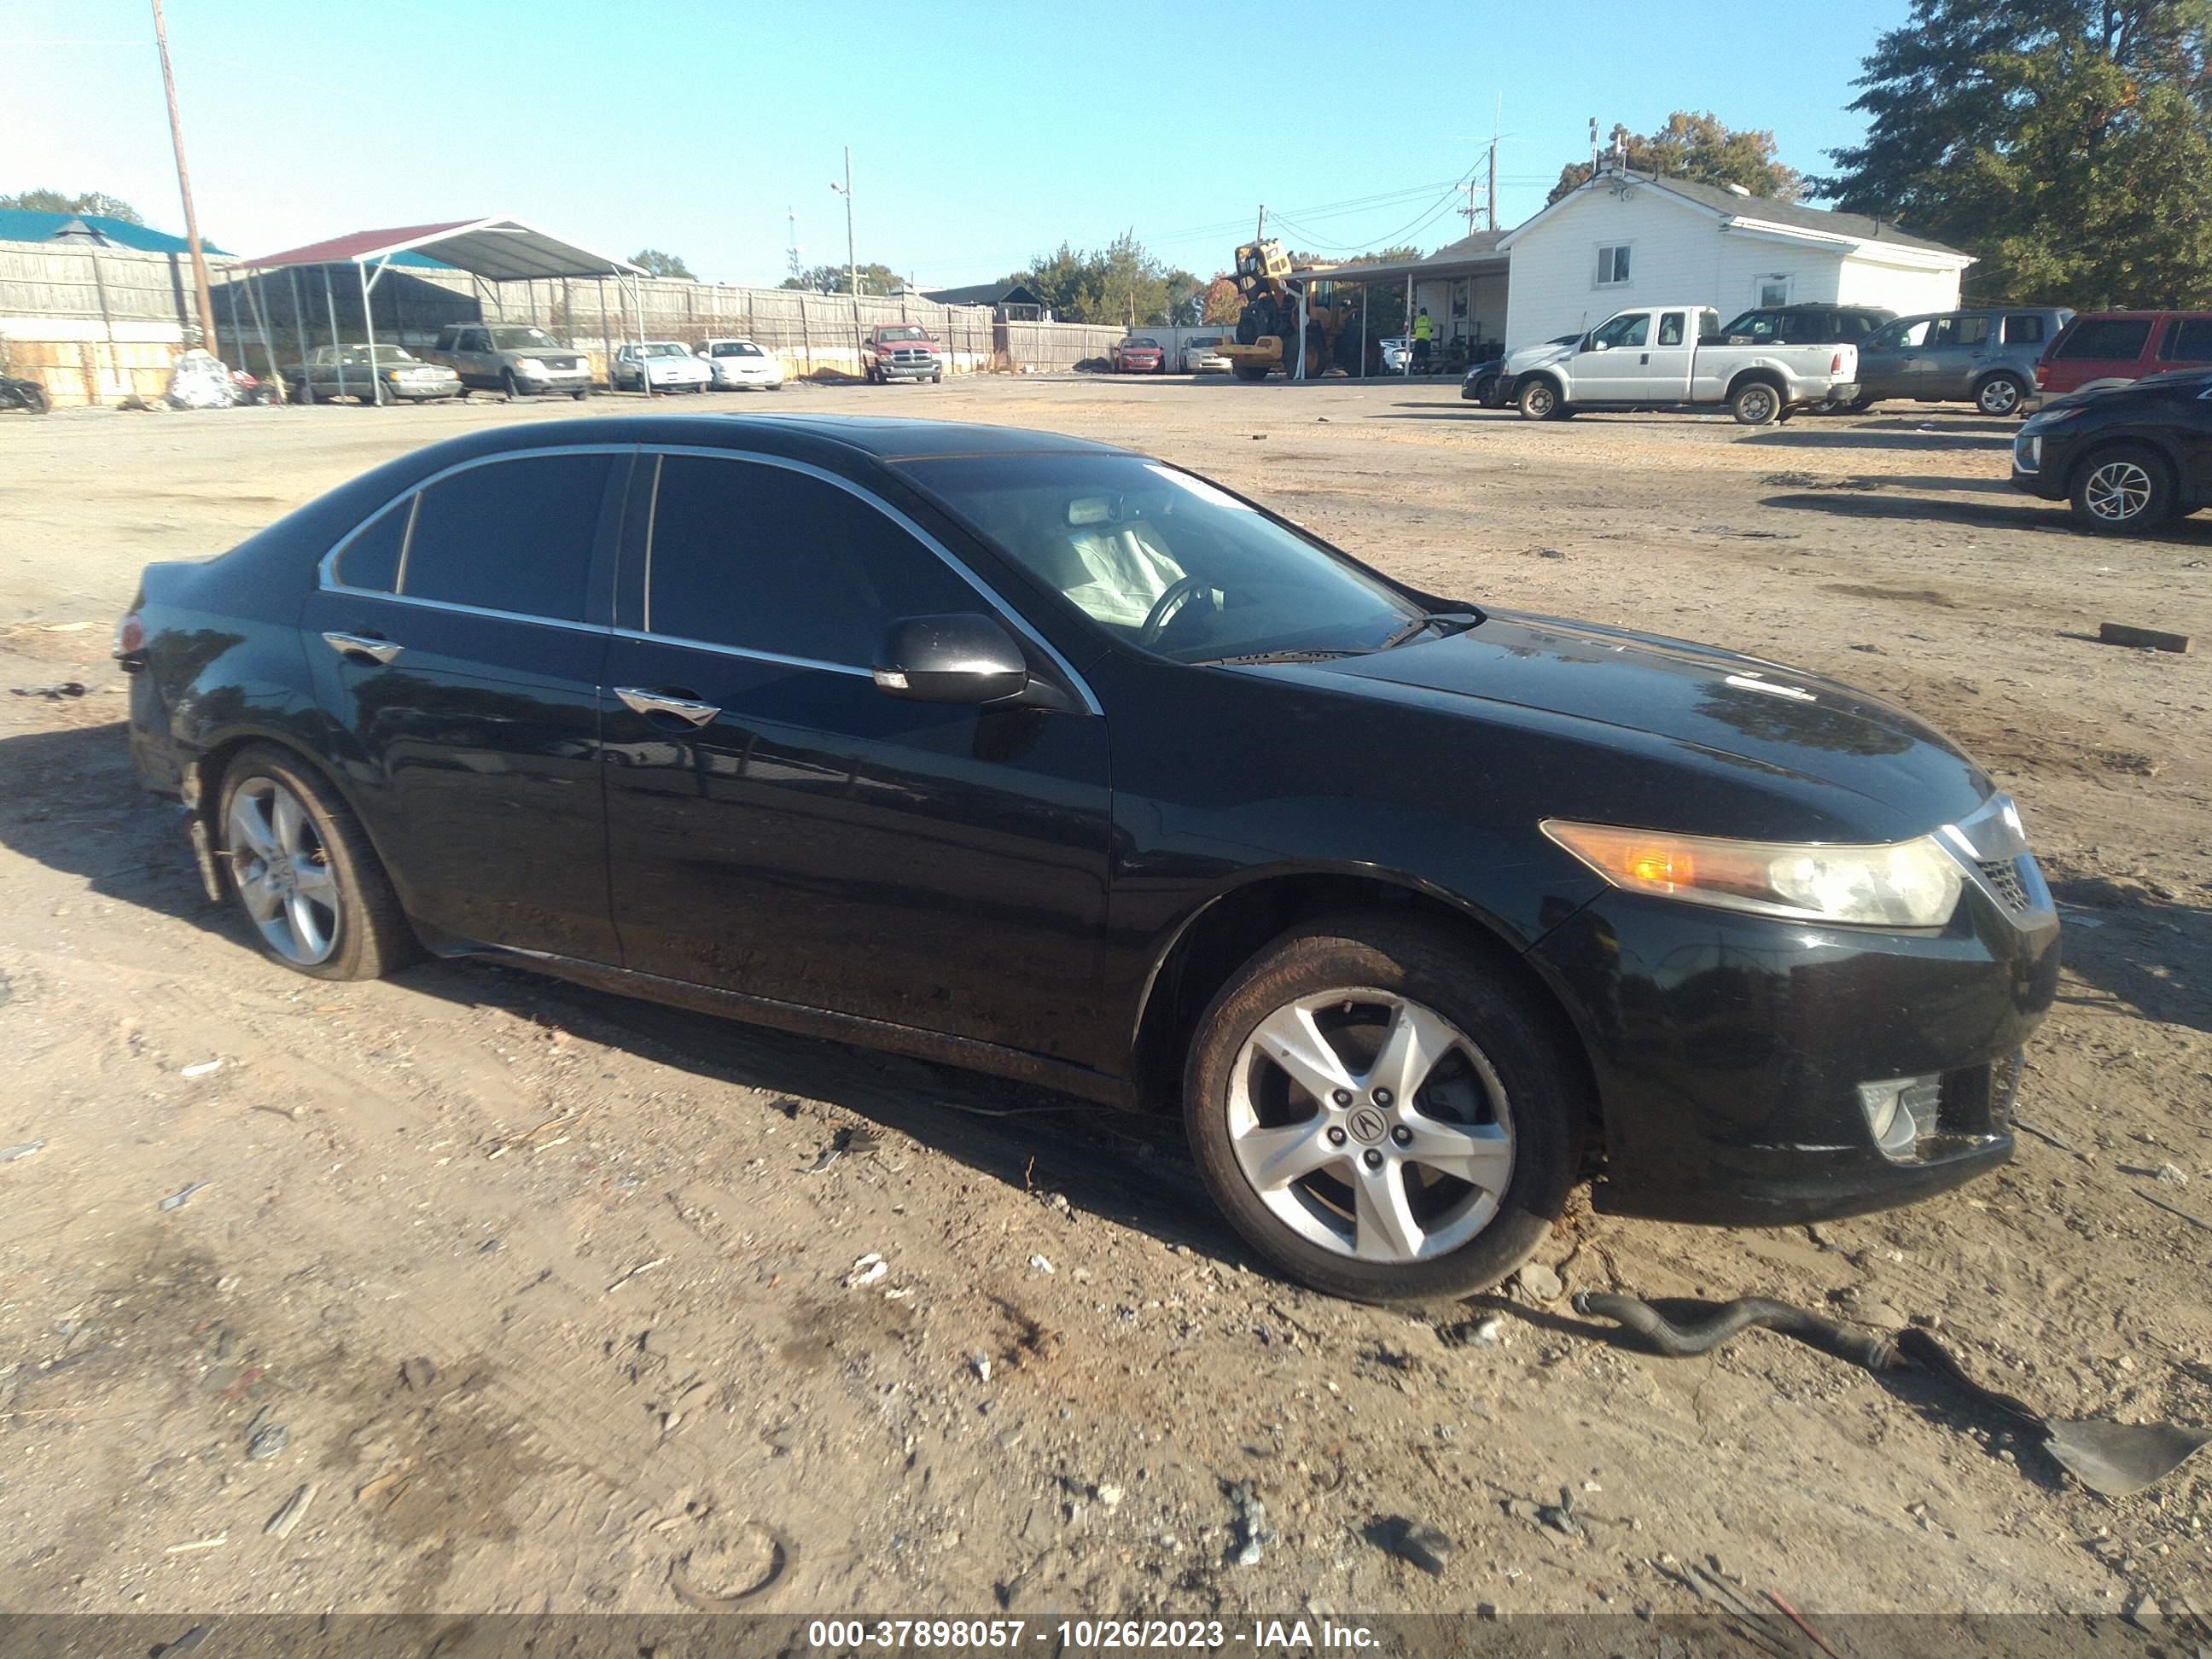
[98, 325]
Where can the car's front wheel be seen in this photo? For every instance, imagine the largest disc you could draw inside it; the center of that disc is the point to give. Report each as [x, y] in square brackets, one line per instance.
[1540, 401]
[1380, 1113]
[304, 873]
[2123, 489]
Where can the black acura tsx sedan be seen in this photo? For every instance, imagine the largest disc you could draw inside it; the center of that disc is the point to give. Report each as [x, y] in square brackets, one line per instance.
[1036, 757]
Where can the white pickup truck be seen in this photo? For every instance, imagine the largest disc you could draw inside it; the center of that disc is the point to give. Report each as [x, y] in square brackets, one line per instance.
[1658, 356]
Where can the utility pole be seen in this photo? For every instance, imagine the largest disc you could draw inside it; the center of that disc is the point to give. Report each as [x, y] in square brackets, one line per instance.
[852, 262]
[1260, 235]
[200, 291]
[1491, 224]
[791, 254]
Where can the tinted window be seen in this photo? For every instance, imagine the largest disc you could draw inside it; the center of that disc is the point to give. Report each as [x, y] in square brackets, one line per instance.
[772, 560]
[2025, 330]
[2188, 341]
[371, 560]
[1960, 331]
[1758, 326]
[2106, 339]
[1670, 329]
[510, 536]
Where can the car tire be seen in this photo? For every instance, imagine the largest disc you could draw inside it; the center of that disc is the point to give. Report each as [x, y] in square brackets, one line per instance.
[581, 396]
[1755, 403]
[461, 396]
[344, 923]
[1502, 1098]
[2000, 395]
[1540, 400]
[509, 384]
[937, 379]
[2122, 490]
[1860, 405]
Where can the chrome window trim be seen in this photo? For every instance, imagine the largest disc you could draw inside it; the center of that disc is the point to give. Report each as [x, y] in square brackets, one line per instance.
[326, 571]
[1006, 612]
[644, 638]
[468, 610]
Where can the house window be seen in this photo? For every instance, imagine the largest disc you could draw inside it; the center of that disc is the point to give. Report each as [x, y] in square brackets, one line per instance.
[1768, 292]
[1612, 263]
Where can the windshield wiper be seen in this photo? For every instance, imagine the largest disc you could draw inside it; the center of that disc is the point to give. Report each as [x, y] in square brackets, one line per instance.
[1421, 625]
[1257, 657]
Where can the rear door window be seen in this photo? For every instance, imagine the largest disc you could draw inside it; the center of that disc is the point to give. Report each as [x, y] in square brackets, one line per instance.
[1959, 332]
[2024, 329]
[2188, 340]
[511, 535]
[2104, 339]
[766, 559]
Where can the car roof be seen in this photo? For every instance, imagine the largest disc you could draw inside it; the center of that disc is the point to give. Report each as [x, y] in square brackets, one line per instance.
[881, 438]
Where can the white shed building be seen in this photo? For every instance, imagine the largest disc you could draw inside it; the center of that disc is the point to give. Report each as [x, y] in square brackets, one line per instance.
[1625, 239]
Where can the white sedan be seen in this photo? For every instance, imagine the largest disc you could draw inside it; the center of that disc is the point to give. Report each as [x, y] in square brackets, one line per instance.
[669, 365]
[741, 363]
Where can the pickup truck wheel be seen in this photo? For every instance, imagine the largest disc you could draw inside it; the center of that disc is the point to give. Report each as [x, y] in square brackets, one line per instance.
[1860, 404]
[1540, 401]
[1999, 396]
[1380, 1113]
[1755, 404]
[2123, 491]
[937, 379]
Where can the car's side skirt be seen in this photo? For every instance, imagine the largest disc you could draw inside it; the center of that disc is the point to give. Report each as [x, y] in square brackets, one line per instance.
[968, 1053]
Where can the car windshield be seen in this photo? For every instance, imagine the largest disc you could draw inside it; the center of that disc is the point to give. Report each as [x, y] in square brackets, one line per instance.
[521, 339]
[900, 334]
[665, 348]
[737, 348]
[1142, 340]
[1117, 537]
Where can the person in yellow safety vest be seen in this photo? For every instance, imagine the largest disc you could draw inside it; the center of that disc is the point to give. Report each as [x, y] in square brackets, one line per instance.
[1424, 332]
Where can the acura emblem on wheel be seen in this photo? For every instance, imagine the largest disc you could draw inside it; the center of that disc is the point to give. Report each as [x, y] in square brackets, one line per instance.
[1368, 1125]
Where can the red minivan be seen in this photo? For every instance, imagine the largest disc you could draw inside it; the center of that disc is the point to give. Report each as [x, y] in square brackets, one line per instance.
[2100, 347]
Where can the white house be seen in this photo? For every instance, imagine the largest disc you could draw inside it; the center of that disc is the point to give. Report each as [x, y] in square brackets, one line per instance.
[1625, 239]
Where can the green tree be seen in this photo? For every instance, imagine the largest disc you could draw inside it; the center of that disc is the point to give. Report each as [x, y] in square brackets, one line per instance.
[99, 204]
[2066, 142]
[657, 264]
[1121, 284]
[834, 279]
[1699, 147]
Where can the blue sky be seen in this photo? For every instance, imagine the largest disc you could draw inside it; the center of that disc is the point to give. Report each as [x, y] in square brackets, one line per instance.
[981, 133]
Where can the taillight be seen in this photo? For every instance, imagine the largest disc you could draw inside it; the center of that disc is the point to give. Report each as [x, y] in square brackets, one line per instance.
[1836, 364]
[130, 644]
[2042, 375]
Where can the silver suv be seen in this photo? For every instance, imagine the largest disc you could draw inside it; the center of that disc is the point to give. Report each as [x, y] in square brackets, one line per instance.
[511, 358]
[1985, 357]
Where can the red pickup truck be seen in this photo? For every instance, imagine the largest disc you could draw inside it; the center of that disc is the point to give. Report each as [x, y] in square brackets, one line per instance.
[901, 351]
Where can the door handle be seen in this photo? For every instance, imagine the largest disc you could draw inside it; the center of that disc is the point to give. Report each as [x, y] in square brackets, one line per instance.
[642, 702]
[1644, 361]
[379, 651]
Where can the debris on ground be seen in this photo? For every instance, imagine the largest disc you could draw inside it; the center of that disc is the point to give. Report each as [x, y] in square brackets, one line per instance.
[1251, 1524]
[1537, 1283]
[176, 1201]
[866, 1271]
[288, 1517]
[202, 1069]
[2172, 1175]
[1424, 1546]
[641, 1267]
[418, 1373]
[979, 1363]
[10, 1154]
[266, 1442]
[1108, 1494]
[1039, 1264]
[2146, 639]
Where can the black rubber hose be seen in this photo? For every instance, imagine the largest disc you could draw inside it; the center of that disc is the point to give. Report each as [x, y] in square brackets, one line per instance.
[1874, 1353]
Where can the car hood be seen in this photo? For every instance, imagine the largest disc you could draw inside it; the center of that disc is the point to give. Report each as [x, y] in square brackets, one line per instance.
[906, 345]
[1700, 703]
[1535, 357]
[542, 354]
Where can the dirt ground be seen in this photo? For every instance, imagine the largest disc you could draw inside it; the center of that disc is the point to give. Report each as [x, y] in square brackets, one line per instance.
[542, 1292]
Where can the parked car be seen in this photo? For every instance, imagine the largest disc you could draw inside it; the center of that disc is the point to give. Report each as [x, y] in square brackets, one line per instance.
[516, 358]
[1203, 355]
[1492, 383]
[1398, 354]
[901, 351]
[343, 371]
[2128, 457]
[2101, 348]
[1656, 356]
[1139, 353]
[665, 365]
[1806, 324]
[1985, 357]
[736, 362]
[784, 718]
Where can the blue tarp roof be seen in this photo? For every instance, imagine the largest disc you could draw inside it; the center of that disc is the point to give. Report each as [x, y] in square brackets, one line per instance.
[29, 225]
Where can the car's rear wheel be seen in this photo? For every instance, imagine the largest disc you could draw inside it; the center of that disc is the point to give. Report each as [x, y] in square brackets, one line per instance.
[2122, 489]
[304, 873]
[1380, 1113]
[2000, 395]
[1755, 404]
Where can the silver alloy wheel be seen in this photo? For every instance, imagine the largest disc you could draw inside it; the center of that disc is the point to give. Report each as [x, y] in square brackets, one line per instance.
[1757, 405]
[2000, 396]
[2118, 491]
[282, 872]
[1371, 1126]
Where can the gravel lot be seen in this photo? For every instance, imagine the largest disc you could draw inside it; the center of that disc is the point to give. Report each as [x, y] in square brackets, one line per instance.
[593, 1220]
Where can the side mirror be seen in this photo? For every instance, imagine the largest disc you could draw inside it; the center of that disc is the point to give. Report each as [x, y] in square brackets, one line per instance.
[966, 658]
[1598, 345]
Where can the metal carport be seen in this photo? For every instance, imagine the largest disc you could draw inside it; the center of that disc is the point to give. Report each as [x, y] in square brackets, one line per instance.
[1470, 257]
[490, 250]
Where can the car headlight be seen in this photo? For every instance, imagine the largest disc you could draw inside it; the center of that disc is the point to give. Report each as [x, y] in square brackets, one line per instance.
[2050, 418]
[1907, 883]
[533, 368]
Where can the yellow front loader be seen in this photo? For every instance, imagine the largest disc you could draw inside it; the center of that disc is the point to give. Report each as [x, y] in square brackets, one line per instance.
[1268, 329]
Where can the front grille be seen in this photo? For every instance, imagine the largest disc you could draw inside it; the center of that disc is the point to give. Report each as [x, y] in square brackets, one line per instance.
[2003, 878]
[909, 355]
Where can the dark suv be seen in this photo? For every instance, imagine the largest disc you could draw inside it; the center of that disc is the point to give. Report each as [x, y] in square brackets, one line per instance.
[1040, 757]
[1806, 324]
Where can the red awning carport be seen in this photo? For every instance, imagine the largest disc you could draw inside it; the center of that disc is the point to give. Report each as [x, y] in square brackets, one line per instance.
[489, 250]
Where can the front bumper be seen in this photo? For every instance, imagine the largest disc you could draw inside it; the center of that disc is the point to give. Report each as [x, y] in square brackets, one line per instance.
[908, 371]
[422, 391]
[2039, 463]
[1728, 1049]
[568, 381]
